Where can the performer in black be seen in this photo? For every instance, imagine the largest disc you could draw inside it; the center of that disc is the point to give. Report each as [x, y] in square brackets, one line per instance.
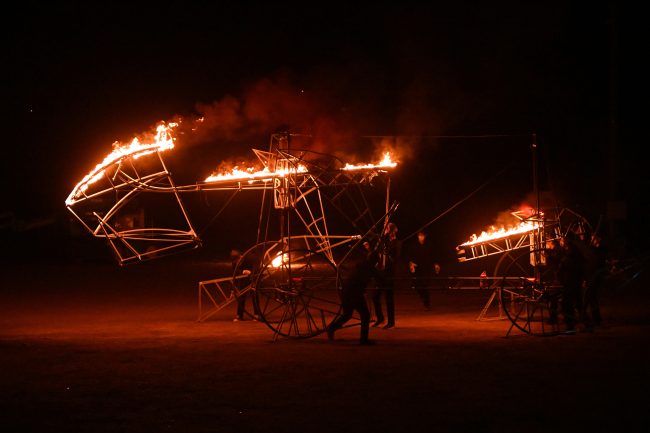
[241, 281]
[554, 253]
[352, 296]
[595, 272]
[570, 274]
[421, 267]
[389, 248]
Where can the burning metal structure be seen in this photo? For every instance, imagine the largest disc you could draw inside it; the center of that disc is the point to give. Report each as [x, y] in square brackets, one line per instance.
[100, 199]
[295, 278]
[524, 287]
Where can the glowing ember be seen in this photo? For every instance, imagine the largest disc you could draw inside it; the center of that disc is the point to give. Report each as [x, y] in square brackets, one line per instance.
[251, 174]
[386, 162]
[280, 260]
[494, 233]
[162, 140]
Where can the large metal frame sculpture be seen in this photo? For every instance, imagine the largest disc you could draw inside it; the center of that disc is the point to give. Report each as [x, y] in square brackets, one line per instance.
[523, 287]
[296, 277]
[126, 173]
[526, 290]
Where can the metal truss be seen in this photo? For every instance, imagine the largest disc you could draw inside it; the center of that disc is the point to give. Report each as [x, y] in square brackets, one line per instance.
[548, 226]
[295, 279]
[511, 274]
[219, 293]
[496, 246]
[100, 207]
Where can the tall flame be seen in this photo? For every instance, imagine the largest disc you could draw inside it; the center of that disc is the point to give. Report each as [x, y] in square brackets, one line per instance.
[162, 140]
[386, 162]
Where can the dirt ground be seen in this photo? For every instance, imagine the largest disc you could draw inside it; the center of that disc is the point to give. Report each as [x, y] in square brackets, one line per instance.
[97, 348]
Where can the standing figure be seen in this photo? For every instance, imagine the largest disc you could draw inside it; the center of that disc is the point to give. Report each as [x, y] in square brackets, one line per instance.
[352, 296]
[554, 253]
[388, 250]
[241, 282]
[421, 267]
[595, 271]
[570, 274]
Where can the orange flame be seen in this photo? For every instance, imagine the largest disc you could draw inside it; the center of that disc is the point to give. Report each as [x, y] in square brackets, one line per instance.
[162, 140]
[386, 162]
[280, 259]
[251, 174]
[498, 233]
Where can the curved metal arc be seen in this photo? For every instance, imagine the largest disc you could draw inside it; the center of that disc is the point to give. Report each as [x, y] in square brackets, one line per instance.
[117, 161]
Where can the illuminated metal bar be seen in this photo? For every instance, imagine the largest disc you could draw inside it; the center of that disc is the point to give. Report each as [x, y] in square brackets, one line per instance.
[493, 247]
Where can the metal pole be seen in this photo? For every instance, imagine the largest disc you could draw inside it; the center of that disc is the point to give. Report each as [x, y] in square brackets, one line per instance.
[288, 209]
[533, 148]
[536, 256]
[387, 205]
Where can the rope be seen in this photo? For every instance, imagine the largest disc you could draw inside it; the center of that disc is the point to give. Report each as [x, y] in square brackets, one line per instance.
[458, 203]
[219, 213]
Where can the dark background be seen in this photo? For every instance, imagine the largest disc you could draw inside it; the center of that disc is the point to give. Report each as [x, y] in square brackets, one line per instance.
[81, 76]
[88, 346]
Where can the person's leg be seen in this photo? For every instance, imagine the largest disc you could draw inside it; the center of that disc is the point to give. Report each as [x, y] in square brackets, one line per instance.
[256, 308]
[241, 306]
[338, 323]
[553, 309]
[591, 302]
[595, 297]
[571, 290]
[364, 315]
[376, 301]
[422, 285]
[390, 304]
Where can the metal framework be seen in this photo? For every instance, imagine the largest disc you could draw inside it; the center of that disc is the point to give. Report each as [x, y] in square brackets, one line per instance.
[101, 207]
[300, 188]
[546, 226]
[551, 225]
[295, 278]
[521, 284]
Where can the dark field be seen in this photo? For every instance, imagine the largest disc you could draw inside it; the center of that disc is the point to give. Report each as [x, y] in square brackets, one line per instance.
[94, 347]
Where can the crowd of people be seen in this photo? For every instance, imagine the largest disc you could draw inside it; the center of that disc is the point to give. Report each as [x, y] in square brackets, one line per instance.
[377, 269]
[578, 264]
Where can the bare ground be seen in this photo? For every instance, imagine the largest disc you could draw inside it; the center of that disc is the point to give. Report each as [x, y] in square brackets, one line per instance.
[93, 347]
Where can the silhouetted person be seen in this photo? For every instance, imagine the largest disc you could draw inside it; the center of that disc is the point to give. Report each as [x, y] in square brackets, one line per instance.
[388, 251]
[421, 267]
[245, 270]
[595, 272]
[553, 254]
[570, 274]
[352, 296]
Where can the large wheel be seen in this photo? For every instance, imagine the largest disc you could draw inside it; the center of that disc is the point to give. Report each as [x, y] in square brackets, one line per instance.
[504, 263]
[530, 296]
[253, 259]
[297, 293]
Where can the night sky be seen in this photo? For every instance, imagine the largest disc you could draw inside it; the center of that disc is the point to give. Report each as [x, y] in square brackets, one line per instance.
[81, 76]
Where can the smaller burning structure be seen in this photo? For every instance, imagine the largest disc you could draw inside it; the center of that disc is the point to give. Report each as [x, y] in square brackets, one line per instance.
[533, 231]
[525, 289]
[499, 240]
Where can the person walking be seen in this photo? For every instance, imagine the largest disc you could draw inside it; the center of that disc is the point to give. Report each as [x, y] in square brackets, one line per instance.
[421, 266]
[352, 297]
[388, 250]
